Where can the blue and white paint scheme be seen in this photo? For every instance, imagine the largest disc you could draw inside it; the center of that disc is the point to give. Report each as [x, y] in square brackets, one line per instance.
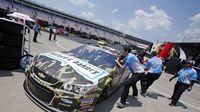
[87, 70]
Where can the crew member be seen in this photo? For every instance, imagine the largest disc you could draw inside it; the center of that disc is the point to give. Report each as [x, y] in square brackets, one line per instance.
[122, 59]
[186, 78]
[136, 69]
[154, 68]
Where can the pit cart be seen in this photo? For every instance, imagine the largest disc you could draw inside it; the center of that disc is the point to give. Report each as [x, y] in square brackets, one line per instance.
[14, 45]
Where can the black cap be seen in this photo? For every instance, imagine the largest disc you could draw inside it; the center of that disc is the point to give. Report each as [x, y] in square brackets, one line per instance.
[188, 61]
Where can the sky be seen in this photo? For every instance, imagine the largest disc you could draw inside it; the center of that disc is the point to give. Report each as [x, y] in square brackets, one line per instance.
[152, 20]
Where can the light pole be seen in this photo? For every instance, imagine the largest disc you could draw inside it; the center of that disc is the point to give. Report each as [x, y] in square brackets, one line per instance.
[12, 4]
[124, 37]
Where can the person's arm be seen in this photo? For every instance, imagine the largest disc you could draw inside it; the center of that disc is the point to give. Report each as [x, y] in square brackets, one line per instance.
[193, 80]
[176, 75]
[119, 64]
[39, 30]
[190, 88]
[147, 65]
[34, 27]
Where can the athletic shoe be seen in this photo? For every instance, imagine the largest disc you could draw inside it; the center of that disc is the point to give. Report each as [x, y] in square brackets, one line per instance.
[143, 94]
[170, 98]
[134, 97]
[121, 105]
[171, 104]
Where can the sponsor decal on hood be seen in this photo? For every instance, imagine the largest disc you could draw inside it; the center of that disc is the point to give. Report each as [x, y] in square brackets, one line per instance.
[88, 71]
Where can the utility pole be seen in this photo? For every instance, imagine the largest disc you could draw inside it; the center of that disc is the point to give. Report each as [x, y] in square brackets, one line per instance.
[183, 38]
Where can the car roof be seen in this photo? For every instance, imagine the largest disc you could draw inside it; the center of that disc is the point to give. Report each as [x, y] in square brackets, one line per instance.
[105, 49]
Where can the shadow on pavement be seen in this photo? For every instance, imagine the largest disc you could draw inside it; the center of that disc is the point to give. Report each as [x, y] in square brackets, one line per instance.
[19, 71]
[154, 95]
[179, 104]
[133, 102]
[38, 42]
[108, 104]
[4, 73]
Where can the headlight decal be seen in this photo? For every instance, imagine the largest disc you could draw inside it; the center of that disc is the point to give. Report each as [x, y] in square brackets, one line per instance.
[78, 89]
[68, 87]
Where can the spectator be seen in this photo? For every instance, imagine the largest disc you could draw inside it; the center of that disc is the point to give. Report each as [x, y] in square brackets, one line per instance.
[54, 32]
[36, 29]
[50, 32]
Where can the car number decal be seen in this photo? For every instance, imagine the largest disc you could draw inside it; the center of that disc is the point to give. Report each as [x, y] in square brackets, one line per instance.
[87, 100]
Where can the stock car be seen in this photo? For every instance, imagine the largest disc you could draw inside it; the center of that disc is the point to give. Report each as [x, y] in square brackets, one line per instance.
[73, 80]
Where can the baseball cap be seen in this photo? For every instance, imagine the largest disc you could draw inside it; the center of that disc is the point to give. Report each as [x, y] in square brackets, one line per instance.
[192, 62]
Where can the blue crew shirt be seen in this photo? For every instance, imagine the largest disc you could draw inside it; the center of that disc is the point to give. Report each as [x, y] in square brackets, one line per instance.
[154, 65]
[186, 75]
[36, 28]
[133, 64]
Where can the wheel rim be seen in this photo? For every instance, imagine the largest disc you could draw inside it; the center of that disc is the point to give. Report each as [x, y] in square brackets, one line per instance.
[25, 61]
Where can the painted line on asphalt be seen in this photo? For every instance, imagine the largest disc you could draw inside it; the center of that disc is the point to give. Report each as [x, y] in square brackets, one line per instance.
[58, 44]
[197, 108]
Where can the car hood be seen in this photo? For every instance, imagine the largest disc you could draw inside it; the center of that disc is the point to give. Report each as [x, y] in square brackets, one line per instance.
[68, 68]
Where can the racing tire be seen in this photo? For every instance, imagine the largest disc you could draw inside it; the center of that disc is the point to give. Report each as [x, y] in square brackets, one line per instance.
[25, 52]
[104, 94]
[25, 60]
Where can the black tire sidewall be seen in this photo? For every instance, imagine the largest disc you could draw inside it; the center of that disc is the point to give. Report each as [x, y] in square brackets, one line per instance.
[27, 55]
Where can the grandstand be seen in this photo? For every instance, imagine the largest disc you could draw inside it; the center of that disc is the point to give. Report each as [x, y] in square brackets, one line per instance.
[48, 16]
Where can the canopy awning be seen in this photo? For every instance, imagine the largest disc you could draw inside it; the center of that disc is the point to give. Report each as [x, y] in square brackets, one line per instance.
[21, 16]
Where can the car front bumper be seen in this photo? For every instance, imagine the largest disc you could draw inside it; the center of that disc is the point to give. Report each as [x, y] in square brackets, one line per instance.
[54, 101]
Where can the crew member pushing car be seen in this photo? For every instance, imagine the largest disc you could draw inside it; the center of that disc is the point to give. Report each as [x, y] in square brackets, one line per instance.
[154, 68]
[135, 68]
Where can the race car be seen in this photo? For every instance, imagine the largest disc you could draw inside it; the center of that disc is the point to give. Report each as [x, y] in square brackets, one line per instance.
[73, 80]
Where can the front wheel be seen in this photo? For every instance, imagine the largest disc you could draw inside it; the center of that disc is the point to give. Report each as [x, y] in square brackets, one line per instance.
[25, 60]
[105, 93]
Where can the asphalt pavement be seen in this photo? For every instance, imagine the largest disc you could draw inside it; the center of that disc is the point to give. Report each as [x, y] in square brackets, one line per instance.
[13, 98]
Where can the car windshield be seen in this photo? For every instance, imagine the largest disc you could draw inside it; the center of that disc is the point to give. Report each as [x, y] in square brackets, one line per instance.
[95, 56]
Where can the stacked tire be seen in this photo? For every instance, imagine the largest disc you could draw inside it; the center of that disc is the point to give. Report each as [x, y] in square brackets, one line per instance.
[11, 44]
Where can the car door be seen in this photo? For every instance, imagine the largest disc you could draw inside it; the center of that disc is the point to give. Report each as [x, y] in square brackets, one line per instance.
[119, 75]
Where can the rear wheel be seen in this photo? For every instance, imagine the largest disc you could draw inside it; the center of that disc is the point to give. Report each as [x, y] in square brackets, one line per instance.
[25, 60]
